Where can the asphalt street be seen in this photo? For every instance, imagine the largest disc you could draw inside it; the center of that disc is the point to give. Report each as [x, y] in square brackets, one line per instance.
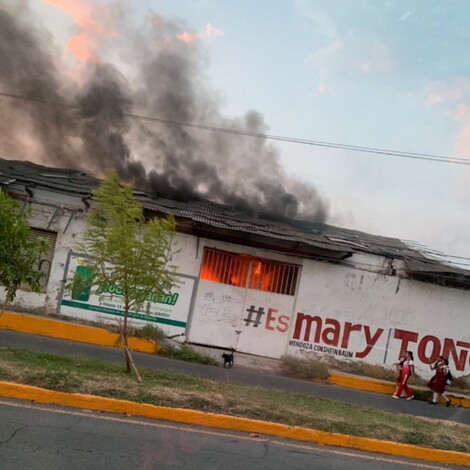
[44, 437]
[237, 374]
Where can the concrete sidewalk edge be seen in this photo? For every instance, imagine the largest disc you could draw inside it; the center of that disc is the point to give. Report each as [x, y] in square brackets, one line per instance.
[387, 388]
[24, 323]
[75, 400]
[31, 324]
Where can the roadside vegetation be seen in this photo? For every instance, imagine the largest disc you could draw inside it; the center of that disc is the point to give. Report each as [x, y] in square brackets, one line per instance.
[152, 332]
[20, 253]
[172, 389]
[306, 369]
[183, 352]
[313, 369]
[125, 254]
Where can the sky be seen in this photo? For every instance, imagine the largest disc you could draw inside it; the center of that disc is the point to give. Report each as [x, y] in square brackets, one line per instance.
[386, 74]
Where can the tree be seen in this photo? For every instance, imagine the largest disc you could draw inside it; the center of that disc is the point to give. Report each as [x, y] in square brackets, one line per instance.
[126, 251]
[19, 253]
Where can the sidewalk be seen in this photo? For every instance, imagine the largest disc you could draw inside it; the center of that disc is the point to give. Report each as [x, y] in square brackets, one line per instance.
[67, 330]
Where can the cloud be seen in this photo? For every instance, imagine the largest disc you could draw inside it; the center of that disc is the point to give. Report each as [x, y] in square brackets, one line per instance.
[323, 59]
[81, 48]
[95, 22]
[452, 94]
[209, 31]
[453, 100]
[338, 59]
[187, 38]
[89, 17]
[405, 16]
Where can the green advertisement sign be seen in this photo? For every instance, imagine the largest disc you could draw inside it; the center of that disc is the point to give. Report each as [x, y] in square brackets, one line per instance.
[104, 303]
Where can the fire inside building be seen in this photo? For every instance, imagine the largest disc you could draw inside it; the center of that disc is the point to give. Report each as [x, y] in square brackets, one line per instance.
[258, 284]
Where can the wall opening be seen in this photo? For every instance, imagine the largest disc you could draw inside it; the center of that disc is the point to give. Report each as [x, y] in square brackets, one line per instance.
[247, 271]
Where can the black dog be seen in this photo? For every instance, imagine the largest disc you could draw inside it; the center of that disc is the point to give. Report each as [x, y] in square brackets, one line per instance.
[228, 360]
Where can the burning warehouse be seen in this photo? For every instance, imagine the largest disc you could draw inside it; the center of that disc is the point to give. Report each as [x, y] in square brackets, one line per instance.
[261, 285]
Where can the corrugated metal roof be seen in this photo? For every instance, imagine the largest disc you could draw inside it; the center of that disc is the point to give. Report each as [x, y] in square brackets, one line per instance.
[210, 214]
[428, 266]
[56, 179]
[311, 233]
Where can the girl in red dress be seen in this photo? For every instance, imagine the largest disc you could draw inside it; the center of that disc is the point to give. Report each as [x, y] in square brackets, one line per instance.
[438, 383]
[405, 370]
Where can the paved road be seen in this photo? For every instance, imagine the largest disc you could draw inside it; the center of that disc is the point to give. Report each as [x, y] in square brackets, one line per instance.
[46, 437]
[237, 374]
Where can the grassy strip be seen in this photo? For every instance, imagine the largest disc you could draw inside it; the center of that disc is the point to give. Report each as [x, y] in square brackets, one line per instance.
[168, 388]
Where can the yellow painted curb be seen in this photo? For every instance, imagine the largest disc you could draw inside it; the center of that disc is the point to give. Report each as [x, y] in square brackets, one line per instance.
[99, 336]
[71, 331]
[369, 385]
[75, 400]
[380, 386]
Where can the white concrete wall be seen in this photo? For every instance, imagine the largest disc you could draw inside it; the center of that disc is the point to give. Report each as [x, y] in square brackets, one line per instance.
[358, 311]
[388, 314]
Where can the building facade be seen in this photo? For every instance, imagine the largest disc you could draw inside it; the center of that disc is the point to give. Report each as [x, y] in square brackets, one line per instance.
[259, 285]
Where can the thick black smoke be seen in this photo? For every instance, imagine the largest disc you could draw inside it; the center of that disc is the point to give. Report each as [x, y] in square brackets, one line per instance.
[93, 134]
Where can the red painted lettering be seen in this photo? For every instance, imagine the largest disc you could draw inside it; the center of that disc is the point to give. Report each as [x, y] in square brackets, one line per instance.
[423, 344]
[302, 319]
[370, 341]
[330, 335]
[283, 323]
[450, 350]
[270, 318]
[348, 327]
[406, 337]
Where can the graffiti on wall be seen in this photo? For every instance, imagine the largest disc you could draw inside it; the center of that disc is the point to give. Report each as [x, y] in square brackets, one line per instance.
[330, 336]
[271, 322]
[430, 347]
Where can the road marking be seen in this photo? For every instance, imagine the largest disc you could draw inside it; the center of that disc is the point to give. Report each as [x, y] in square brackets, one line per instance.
[140, 421]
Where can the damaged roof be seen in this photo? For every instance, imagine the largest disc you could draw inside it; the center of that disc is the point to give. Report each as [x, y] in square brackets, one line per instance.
[296, 236]
[314, 234]
[61, 180]
[56, 179]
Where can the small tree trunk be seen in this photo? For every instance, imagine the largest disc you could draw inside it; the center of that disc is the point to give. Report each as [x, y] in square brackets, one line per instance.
[124, 340]
[127, 352]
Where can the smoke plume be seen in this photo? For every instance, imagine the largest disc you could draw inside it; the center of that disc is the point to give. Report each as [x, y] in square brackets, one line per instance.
[118, 66]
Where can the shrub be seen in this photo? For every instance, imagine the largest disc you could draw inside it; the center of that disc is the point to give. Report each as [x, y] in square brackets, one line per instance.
[184, 353]
[307, 369]
[461, 383]
[149, 331]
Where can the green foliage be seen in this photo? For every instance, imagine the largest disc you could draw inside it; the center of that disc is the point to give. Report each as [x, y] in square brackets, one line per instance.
[19, 254]
[127, 255]
[184, 353]
[124, 250]
[307, 369]
[149, 332]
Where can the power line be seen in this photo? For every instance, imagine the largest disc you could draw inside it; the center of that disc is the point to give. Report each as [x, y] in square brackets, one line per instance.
[353, 148]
